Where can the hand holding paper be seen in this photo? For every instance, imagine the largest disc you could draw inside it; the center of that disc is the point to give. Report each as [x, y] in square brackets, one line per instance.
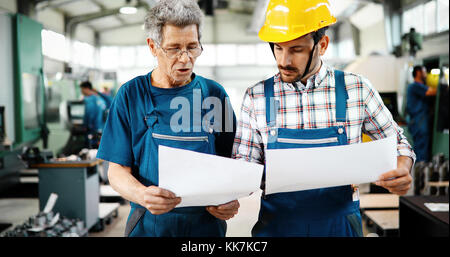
[290, 170]
[203, 179]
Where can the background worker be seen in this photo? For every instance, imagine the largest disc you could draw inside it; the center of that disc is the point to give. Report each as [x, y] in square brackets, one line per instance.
[94, 114]
[418, 112]
[312, 105]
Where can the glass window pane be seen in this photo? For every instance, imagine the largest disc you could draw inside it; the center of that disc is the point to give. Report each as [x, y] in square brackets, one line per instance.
[54, 45]
[414, 18]
[246, 54]
[127, 57]
[145, 57]
[109, 57]
[264, 55]
[208, 56]
[83, 54]
[430, 17]
[226, 54]
[443, 15]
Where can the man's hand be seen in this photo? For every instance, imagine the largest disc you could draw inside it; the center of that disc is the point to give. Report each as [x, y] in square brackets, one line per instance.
[224, 211]
[397, 181]
[158, 200]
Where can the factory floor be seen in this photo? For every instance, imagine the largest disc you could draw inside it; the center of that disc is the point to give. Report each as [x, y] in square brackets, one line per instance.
[17, 210]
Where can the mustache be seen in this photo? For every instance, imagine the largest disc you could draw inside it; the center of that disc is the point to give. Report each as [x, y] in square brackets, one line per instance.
[289, 68]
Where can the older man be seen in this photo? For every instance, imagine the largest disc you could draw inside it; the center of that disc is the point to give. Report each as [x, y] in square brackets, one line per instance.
[145, 115]
[310, 104]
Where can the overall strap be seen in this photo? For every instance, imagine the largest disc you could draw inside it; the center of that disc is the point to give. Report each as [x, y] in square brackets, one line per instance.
[270, 102]
[341, 96]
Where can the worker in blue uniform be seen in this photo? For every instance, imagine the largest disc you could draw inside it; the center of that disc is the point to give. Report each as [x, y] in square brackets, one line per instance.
[146, 113]
[95, 108]
[308, 104]
[418, 113]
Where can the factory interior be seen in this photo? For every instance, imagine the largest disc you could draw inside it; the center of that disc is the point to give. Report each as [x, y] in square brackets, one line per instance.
[53, 185]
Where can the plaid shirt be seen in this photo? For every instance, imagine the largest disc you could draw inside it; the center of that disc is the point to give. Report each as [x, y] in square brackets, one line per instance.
[312, 107]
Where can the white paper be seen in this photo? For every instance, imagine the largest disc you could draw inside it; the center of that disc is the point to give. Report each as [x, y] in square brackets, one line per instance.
[289, 170]
[203, 179]
[50, 202]
[437, 207]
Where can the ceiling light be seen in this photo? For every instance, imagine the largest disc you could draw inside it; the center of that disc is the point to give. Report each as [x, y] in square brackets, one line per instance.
[128, 8]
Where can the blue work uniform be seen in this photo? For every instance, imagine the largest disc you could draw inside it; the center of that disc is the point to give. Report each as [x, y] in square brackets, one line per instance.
[93, 114]
[417, 109]
[139, 121]
[324, 212]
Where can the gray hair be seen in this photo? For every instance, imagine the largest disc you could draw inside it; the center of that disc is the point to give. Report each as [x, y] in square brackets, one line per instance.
[180, 13]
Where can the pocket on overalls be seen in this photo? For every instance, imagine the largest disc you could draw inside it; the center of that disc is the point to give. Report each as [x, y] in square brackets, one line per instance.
[198, 142]
[355, 222]
[137, 214]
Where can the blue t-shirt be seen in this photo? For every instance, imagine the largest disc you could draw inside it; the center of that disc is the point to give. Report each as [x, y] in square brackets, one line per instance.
[416, 102]
[125, 127]
[95, 106]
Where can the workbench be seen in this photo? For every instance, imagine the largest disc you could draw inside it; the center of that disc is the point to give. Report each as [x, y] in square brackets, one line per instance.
[381, 210]
[416, 220]
[378, 201]
[77, 185]
[386, 221]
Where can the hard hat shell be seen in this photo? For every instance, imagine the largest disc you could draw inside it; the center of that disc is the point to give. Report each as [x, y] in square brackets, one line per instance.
[287, 20]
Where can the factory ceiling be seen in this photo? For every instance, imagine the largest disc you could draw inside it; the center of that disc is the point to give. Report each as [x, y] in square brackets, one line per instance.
[105, 15]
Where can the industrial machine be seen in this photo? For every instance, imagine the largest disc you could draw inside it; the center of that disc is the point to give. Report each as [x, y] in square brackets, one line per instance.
[22, 121]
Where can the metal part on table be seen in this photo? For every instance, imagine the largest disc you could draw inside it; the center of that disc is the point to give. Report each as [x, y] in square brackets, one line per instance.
[40, 225]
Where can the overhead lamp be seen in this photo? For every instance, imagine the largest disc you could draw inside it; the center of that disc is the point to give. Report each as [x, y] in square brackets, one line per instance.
[128, 8]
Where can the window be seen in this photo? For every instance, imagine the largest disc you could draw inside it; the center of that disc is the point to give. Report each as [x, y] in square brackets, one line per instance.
[54, 45]
[127, 57]
[109, 57]
[208, 56]
[83, 54]
[246, 54]
[414, 18]
[226, 54]
[264, 55]
[144, 57]
[442, 23]
[430, 17]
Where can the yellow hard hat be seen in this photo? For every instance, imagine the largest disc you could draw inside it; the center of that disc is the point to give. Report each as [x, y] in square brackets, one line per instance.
[287, 20]
[432, 80]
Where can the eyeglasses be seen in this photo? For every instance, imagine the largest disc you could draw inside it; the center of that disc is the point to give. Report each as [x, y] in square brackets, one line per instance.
[173, 53]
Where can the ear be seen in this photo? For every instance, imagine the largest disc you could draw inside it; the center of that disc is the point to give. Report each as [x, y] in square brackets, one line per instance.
[152, 45]
[323, 44]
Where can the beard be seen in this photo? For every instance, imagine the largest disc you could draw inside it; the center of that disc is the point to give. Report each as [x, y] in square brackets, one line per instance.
[291, 78]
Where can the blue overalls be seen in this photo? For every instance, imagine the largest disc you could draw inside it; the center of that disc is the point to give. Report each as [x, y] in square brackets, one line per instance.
[179, 222]
[324, 212]
[94, 121]
[418, 123]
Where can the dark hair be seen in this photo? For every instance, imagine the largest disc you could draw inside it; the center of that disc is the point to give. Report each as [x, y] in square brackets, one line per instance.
[416, 69]
[86, 84]
[318, 35]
